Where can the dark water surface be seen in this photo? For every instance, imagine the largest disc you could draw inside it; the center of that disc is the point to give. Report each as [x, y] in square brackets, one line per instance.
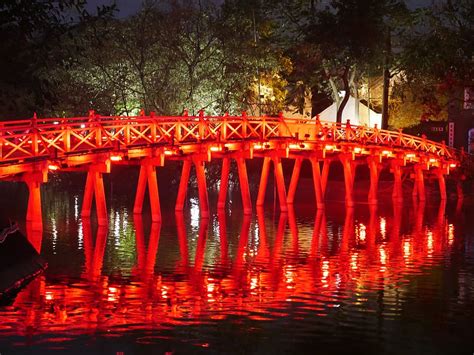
[389, 280]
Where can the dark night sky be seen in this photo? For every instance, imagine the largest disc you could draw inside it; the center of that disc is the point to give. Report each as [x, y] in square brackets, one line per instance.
[129, 7]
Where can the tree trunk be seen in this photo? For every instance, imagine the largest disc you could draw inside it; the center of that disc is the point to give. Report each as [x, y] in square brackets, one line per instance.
[386, 80]
[347, 93]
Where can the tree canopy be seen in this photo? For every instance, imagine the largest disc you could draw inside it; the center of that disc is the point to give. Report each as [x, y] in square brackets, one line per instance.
[259, 56]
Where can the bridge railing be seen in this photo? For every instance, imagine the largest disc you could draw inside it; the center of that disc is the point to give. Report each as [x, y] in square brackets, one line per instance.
[55, 137]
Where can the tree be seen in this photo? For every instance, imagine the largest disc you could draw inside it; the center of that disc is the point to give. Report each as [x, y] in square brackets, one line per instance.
[335, 47]
[27, 38]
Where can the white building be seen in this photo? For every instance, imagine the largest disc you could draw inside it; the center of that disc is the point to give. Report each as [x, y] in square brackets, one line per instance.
[364, 116]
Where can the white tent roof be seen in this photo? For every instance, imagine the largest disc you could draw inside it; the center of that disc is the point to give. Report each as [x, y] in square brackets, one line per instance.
[366, 117]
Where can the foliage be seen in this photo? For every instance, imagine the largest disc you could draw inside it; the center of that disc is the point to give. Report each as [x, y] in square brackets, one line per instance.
[335, 47]
[192, 57]
[28, 29]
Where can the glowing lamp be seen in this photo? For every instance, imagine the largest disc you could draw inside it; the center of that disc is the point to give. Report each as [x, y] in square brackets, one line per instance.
[357, 150]
[410, 155]
[53, 167]
[115, 157]
[329, 147]
[257, 146]
[214, 149]
[294, 146]
[386, 152]
[452, 165]
[168, 152]
[433, 160]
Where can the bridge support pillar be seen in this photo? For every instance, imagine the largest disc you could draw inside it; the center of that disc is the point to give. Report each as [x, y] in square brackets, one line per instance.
[419, 189]
[349, 174]
[244, 185]
[34, 214]
[324, 175]
[294, 181]
[262, 188]
[442, 185]
[183, 185]
[374, 167]
[224, 183]
[317, 183]
[397, 194]
[280, 180]
[202, 188]
[95, 188]
[148, 176]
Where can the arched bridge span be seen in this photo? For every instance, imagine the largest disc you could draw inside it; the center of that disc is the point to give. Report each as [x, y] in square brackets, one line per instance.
[30, 149]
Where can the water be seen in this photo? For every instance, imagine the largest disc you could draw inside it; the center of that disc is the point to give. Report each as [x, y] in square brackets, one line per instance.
[387, 280]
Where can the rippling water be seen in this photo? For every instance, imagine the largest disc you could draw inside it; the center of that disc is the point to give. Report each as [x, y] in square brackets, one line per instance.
[387, 280]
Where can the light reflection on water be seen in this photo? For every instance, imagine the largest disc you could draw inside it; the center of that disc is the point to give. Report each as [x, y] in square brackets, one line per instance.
[386, 280]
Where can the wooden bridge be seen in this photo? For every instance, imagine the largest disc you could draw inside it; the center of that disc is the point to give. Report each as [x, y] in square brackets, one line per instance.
[30, 149]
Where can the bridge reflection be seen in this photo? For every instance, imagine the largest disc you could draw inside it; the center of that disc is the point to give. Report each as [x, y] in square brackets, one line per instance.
[334, 264]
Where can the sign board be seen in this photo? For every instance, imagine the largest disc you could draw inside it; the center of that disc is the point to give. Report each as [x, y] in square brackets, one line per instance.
[451, 134]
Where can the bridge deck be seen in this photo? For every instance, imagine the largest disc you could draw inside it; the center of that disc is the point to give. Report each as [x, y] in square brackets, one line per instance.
[29, 149]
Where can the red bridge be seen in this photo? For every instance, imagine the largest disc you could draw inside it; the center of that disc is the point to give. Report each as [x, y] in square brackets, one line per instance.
[30, 149]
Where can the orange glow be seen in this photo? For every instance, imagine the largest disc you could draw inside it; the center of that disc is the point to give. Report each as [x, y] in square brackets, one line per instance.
[251, 287]
[410, 155]
[433, 160]
[386, 152]
[329, 147]
[168, 152]
[452, 165]
[53, 167]
[357, 150]
[257, 146]
[115, 157]
[215, 148]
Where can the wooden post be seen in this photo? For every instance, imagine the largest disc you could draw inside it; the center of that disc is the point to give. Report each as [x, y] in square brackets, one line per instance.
[294, 181]
[324, 176]
[100, 203]
[202, 188]
[374, 167]
[34, 214]
[140, 194]
[280, 180]
[420, 183]
[95, 188]
[318, 191]
[349, 174]
[397, 194]
[183, 185]
[153, 193]
[88, 194]
[224, 183]
[263, 181]
[244, 185]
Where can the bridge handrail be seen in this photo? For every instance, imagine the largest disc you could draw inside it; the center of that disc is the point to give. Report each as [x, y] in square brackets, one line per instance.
[46, 136]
